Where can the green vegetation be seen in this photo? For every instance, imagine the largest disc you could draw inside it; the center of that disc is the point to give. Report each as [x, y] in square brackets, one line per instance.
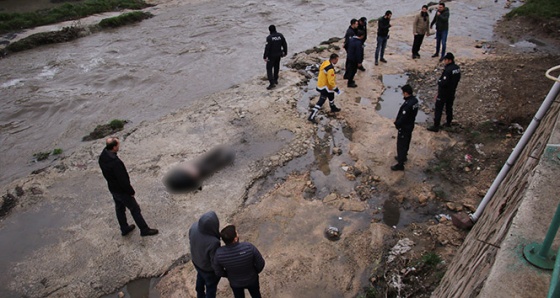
[43, 38]
[16, 21]
[117, 124]
[57, 151]
[41, 155]
[538, 9]
[124, 19]
[105, 129]
[431, 259]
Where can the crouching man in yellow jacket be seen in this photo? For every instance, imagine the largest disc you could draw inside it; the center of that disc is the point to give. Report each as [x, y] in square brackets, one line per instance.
[326, 85]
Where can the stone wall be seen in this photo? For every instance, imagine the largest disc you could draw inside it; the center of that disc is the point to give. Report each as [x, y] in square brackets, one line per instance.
[467, 273]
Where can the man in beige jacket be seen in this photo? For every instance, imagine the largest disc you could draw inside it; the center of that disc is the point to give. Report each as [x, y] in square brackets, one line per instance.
[420, 28]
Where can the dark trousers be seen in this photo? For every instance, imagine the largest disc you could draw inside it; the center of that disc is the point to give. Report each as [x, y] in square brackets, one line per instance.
[254, 290]
[272, 69]
[403, 144]
[123, 201]
[441, 40]
[418, 39]
[381, 45]
[351, 69]
[206, 283]
[440, 104]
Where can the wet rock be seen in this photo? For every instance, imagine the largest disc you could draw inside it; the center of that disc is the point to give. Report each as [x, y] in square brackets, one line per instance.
[350, 176]
[19, 191]
[336, 150]
[357, 172]
[354, 206]
[330, 198]
[470, 207]
[8, 202]
[454, 207]
[332, 233]
[36, 191]
[399, 198]
[422, 199]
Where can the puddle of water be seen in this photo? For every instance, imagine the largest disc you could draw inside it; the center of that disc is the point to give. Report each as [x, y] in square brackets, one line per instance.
[138, 288]
[258, 147]
[391, 99]
[21, 235]
[363, 101]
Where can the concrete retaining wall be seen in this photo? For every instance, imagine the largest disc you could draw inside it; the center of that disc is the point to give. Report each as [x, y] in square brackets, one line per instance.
[474, 260]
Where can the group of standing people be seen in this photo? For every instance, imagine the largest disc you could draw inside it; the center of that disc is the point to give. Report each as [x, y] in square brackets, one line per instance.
[239, 262]
[354, 39]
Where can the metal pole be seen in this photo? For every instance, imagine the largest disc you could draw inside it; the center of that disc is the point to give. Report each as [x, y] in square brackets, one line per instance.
[540, 255]
[552, 94]
[554, 289]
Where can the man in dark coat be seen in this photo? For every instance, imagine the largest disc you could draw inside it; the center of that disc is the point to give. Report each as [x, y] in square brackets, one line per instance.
[118, 181]
[362, 25]
[240, 262]
[447, 85]
[276, 48]
[354, 57]
[441, 20]
[204, 238]
[350, 32]
[405, 125]
[384, 23]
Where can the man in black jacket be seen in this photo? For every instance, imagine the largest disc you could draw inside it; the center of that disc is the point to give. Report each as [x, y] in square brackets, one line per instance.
[447, 85]
[118, 181]
[240, 262]
[362, 25]
[204, 238]
[383, 25]
[276, 48]
[405, 125]
[441, 20]
[350, 32]
[354, 58]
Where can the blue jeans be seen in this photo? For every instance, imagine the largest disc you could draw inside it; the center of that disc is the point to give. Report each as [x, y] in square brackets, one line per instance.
[441, 40]
[380, 49]
[254, 290]
[208, 280]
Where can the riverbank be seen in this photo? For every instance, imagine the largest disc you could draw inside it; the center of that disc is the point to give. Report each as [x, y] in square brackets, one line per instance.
[286, 186]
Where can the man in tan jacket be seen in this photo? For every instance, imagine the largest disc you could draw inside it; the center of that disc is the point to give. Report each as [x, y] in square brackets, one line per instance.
[420, 28]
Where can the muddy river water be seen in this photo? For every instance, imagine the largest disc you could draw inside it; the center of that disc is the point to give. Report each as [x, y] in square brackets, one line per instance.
[54, 95]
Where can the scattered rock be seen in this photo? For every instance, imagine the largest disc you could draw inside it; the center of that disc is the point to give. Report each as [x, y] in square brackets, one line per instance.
[422, 198]
[332, 233]
[336, 150]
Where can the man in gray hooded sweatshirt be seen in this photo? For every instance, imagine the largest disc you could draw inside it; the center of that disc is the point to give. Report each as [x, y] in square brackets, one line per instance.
[204, 237]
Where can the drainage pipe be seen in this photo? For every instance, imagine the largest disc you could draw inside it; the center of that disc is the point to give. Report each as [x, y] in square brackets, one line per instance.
[552, 94]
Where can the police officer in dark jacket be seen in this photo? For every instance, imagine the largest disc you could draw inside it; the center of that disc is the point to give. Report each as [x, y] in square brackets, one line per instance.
[350, 32]
[447, 85]
[362, 25]
[354, 57]
[405, 125]
[118, 181]
[276, 48]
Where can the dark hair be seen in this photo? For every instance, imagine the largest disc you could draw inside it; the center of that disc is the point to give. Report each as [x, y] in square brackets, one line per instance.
[407, 88]
[442, 4]
[272, 29]
[363, 19]
[449, 56]
[353, 21]
[360, 33]
[425, 6]
[388, 12]
[228, 234]
[333, 56]
[110, 145]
